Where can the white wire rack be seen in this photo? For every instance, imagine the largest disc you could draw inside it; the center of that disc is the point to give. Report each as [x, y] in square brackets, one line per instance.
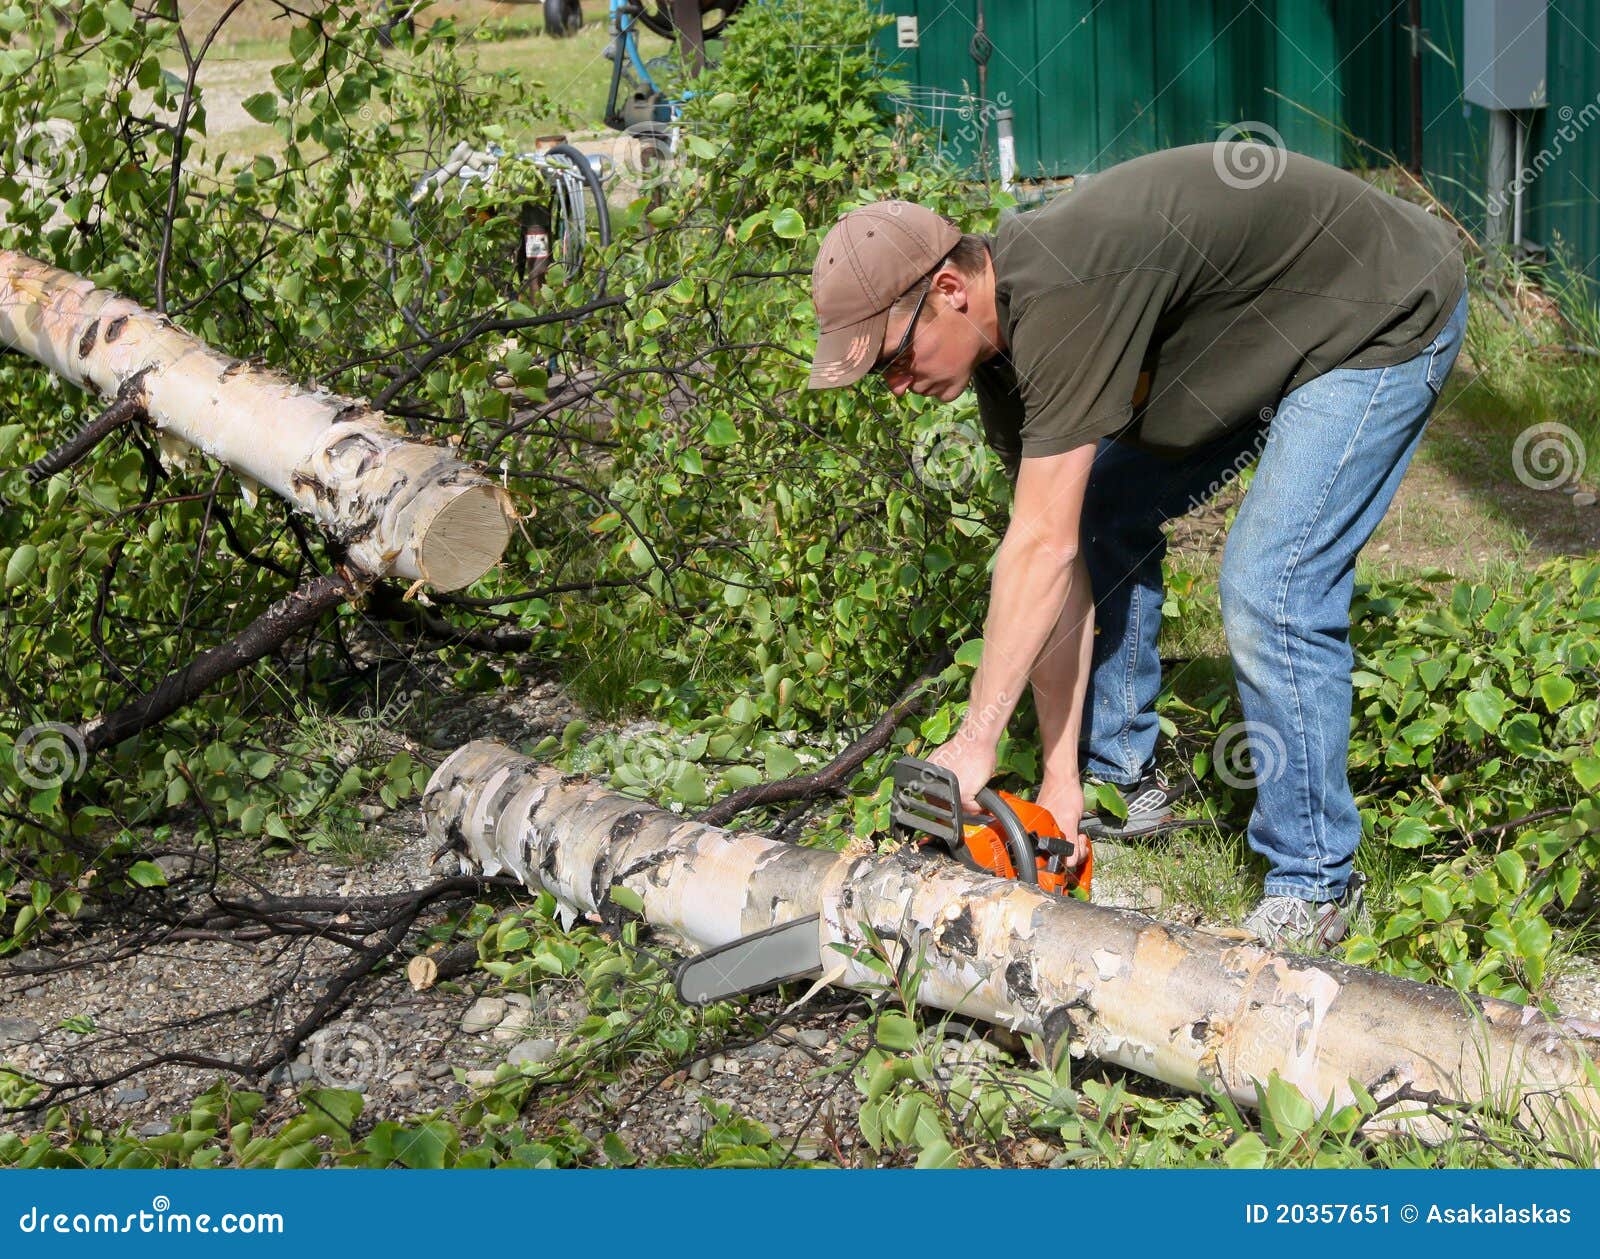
[959, 126]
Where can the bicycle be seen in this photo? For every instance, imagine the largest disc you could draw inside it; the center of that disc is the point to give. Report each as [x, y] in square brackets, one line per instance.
[560, 224]
[647, 104]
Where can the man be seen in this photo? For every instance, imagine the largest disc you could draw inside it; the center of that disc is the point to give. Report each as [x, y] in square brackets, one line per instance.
[1134, 344]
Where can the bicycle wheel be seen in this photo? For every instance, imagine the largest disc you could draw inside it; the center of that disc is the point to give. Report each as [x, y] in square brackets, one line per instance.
[562, 17]
[656, 15]
[580, 220]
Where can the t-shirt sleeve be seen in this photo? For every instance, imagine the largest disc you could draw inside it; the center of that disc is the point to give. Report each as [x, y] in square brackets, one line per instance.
[1078, 349]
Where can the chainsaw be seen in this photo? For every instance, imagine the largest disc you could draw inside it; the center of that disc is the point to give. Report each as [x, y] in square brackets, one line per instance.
[1011, 837]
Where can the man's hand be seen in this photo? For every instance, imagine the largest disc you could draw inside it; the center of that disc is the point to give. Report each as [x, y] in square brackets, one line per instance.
[1065, 803]
[970, 758]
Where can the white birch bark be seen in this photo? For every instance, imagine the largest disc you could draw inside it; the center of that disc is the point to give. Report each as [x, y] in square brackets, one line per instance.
[401, 507]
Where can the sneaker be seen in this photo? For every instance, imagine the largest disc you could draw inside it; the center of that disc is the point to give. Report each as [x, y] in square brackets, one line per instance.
[1302, 926]
[1149, 801]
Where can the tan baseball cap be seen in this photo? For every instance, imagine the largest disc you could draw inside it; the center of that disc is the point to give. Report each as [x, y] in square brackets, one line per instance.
[867, 260]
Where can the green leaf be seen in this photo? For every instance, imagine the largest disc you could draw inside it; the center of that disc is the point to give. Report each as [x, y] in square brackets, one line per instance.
[617, 1154]
[1287, 1106]
[399, 231]
[1436, 903]
[1586, 769]
[147, 874]
[788, 225]
[1512, 869]
[896, 1031]
[424, 1146]
[1567, 882]
[721, 432]
[23, 561]
[1556, 690]
[263, 107]
[780, 762]
[969, 653]
[1423, 731]
[1522, 735]
[938, 1154]
[627, 898]
[1486, 707]
[1410, 832]
[1248, 1151]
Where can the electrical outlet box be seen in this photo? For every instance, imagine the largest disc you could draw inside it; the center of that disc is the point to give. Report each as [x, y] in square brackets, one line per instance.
[1503, 53]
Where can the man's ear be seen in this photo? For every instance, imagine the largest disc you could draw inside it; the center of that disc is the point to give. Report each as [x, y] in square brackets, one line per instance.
[953, 285]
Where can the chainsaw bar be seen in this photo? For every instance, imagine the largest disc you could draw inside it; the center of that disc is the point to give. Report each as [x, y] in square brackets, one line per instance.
[752, 963]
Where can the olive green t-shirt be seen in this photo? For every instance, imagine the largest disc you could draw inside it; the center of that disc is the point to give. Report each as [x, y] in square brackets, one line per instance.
[1228, 296]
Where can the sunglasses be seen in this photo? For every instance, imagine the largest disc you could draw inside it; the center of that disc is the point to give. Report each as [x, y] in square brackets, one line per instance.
[900, 351]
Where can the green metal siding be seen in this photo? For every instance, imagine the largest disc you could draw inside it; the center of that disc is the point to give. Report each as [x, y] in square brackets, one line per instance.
[1094, 82]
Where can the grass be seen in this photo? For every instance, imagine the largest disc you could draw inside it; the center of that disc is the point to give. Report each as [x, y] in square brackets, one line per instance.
[573, 73]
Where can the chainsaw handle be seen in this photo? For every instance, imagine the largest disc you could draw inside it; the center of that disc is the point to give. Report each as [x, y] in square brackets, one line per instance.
[1017, 838]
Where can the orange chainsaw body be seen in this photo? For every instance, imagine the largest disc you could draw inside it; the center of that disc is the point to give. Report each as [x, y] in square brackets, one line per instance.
[987, 848]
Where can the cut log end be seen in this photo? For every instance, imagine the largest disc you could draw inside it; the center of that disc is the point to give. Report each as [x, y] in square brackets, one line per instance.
[465, 538]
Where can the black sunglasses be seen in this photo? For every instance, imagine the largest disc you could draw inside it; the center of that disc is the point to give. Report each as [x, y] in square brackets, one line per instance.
[883, 365]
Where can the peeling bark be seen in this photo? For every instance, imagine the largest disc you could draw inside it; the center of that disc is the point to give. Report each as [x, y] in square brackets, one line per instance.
[398, 506]
[1185, 1007]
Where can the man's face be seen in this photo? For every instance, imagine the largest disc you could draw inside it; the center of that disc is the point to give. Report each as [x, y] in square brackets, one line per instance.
[944, 346]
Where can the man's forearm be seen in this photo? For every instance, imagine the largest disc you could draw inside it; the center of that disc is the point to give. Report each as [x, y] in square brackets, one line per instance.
[1061, 680]
[1032, 584]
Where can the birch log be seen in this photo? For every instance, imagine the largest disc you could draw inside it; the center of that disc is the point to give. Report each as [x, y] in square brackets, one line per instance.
[399, 507]
[1192, 1009]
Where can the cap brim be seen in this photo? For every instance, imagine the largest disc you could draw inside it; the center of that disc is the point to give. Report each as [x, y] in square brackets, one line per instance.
[846, 354]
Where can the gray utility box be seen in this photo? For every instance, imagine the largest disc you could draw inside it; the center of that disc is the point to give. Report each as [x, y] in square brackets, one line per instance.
[1503, 53]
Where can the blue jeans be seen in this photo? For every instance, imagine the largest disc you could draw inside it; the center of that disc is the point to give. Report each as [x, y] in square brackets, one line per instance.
[1331, 459]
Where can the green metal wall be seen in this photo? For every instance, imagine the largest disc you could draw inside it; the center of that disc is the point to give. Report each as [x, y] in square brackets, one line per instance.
[1096, 81]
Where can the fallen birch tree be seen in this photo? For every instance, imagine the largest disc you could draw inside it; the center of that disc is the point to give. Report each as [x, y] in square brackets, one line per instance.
[1189, 1008]
[394, 505]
